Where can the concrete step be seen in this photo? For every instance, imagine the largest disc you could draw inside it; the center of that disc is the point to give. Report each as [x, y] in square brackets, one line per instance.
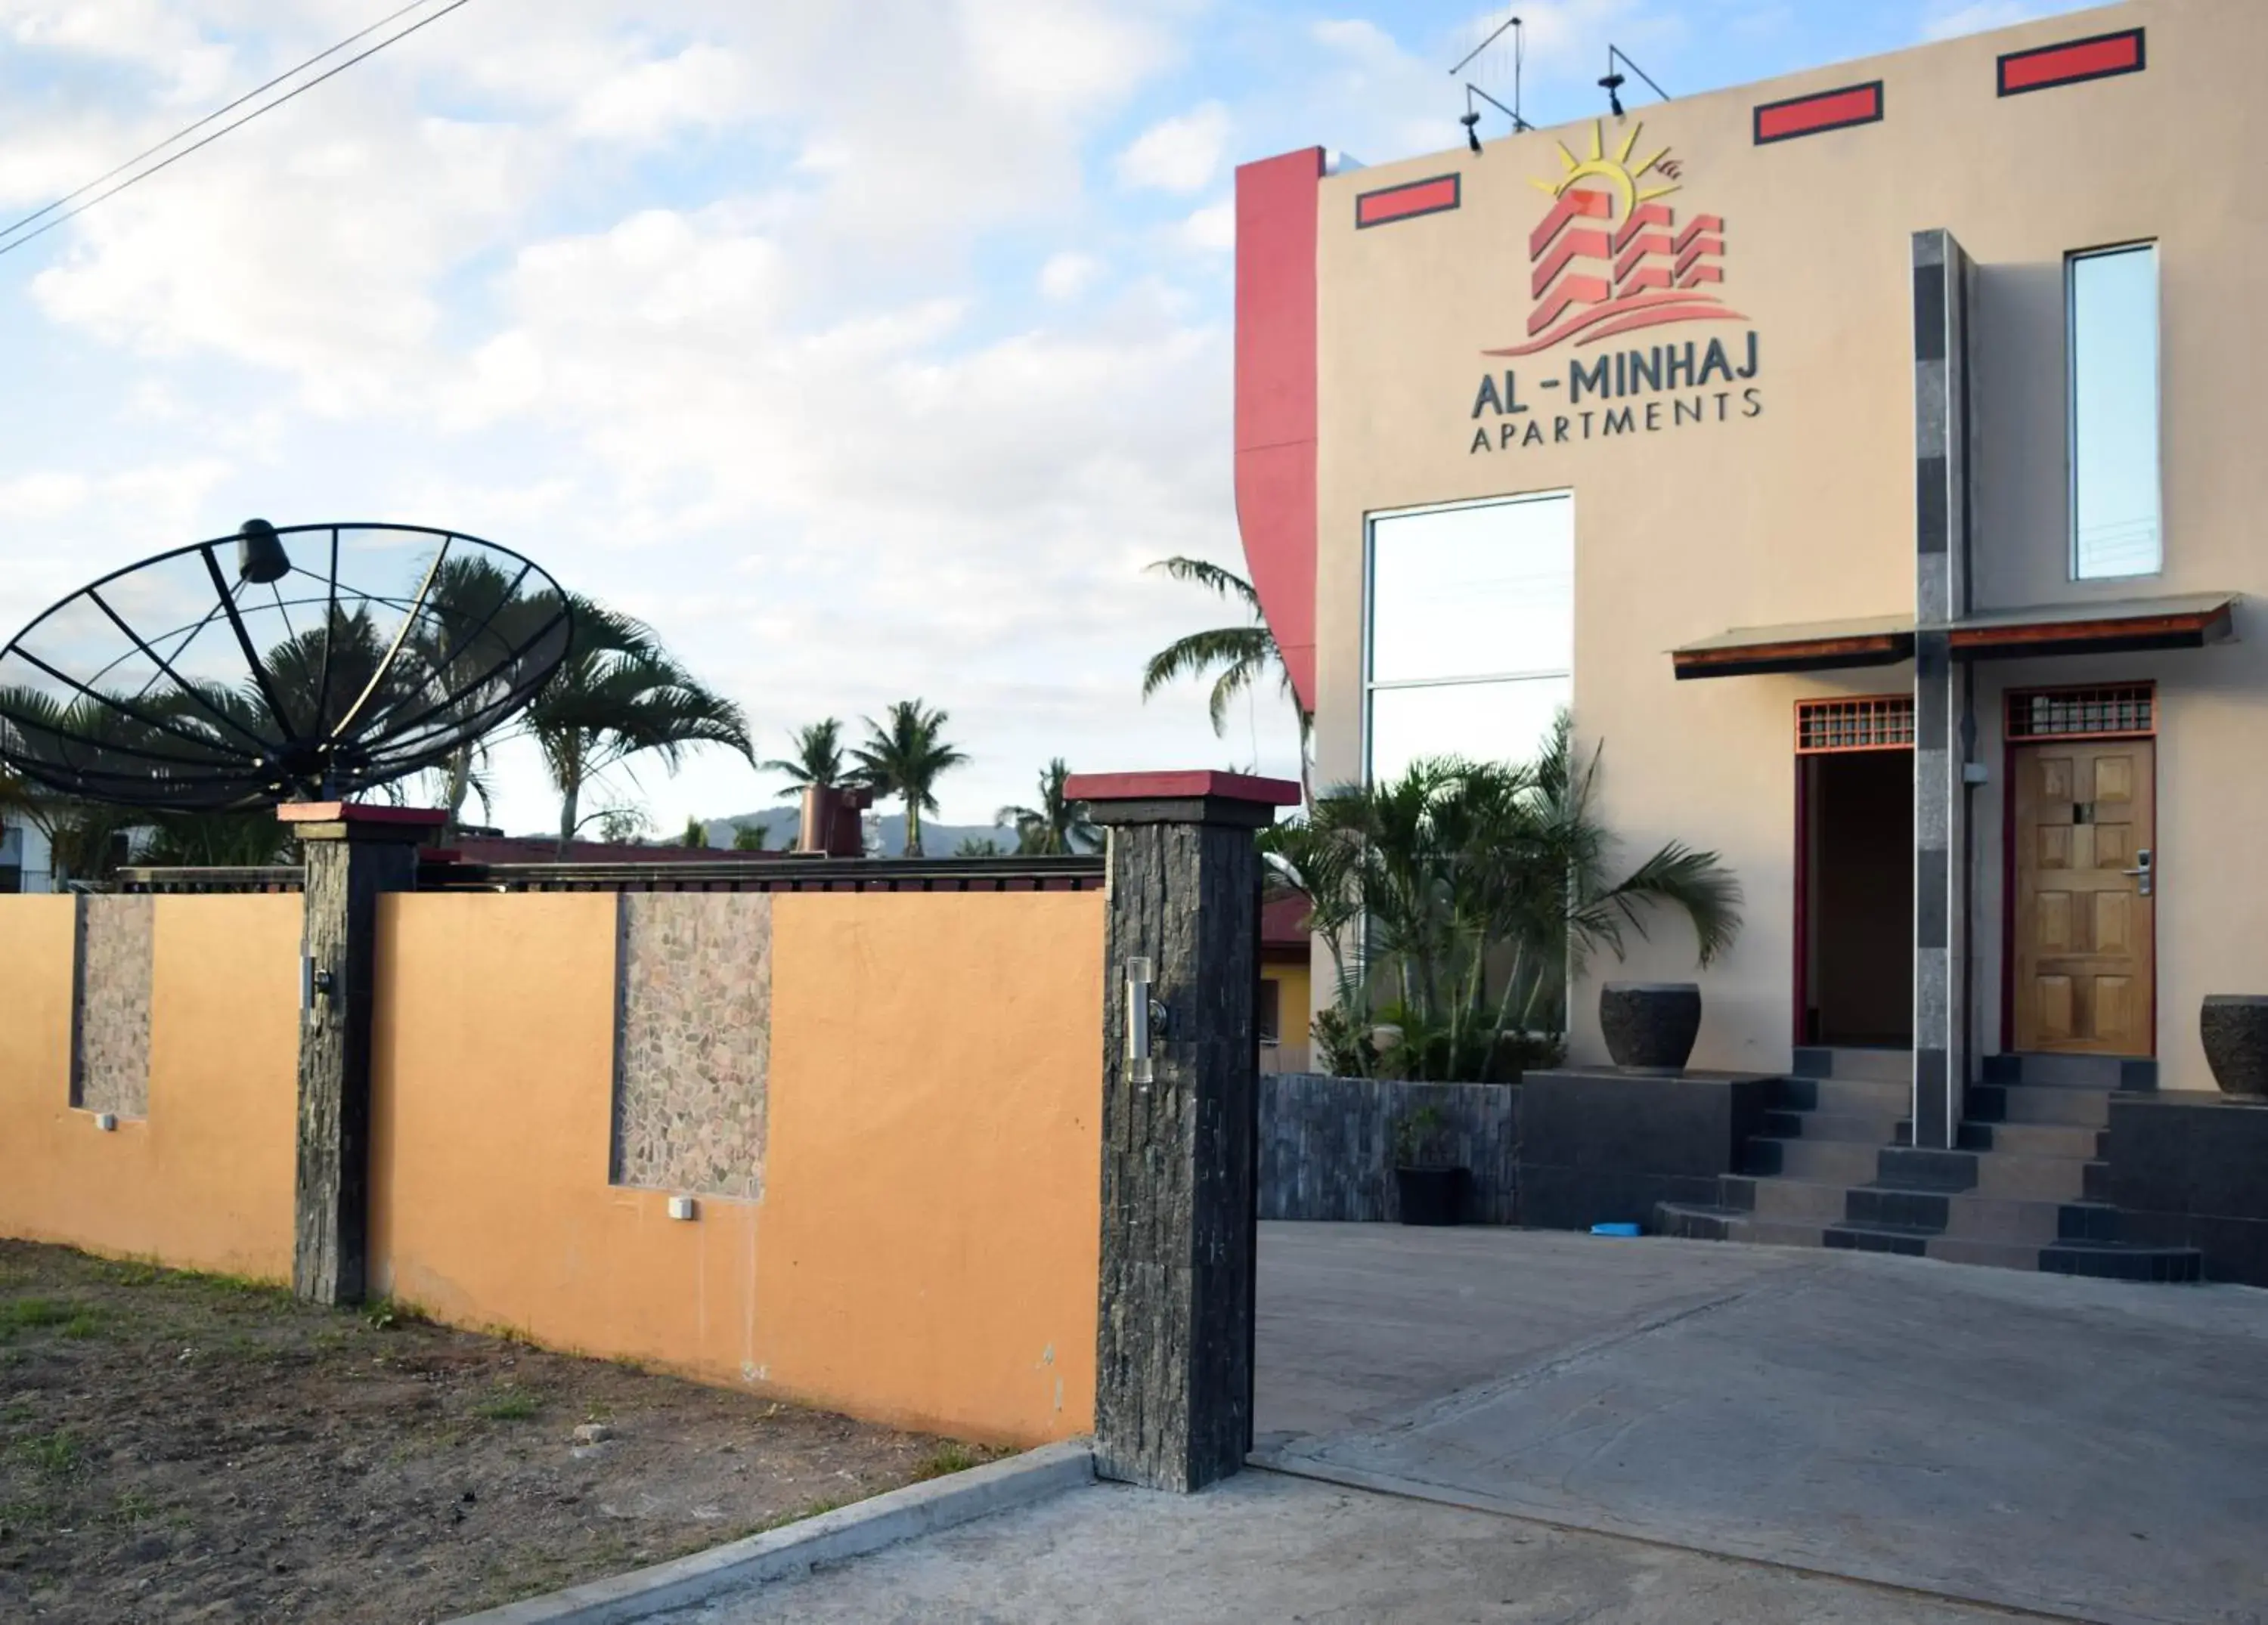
[2025, 1103]
[1881, 1065]
[1855, 1127]
[2031, 1179]
[1992, 1254]
[1676, 1218]
[2073, 1072]
[1870, 1097]
[1784, 1199]
[2076, 1140]
[1823, 1161]
[2122, 1264]
[2104, 1259]
[1898, 1238]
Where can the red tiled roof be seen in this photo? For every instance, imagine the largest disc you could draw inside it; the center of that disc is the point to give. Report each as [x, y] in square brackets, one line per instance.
[541, 849]
[1284, 922]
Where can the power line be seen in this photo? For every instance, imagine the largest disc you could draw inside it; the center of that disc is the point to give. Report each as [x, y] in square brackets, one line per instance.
[15, 226]
[137, 178]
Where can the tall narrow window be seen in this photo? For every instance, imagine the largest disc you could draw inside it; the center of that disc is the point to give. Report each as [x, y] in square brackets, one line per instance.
[2115, 518]
[1472, 631]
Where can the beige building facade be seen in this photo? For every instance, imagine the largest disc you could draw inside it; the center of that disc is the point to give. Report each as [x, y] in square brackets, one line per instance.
[1865, 459]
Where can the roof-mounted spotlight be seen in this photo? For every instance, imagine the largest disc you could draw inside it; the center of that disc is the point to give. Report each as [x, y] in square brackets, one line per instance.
[1616, 61]
[1472, 117]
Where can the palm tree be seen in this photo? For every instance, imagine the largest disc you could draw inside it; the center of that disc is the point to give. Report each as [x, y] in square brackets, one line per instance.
[1243, 656]
[817, 762]
[1483, 887]
[1057, 824]
[904, 757]
[470, 649]
[619, 695]
[749, 835]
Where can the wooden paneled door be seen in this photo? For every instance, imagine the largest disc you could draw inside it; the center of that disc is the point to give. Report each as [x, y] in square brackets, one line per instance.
[2084, 931]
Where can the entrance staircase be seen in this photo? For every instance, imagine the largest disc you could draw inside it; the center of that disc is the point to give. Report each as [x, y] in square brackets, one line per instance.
[1835, 1166]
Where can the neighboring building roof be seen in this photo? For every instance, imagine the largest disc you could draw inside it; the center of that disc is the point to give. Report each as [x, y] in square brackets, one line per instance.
[1283, 924]
[544, 850]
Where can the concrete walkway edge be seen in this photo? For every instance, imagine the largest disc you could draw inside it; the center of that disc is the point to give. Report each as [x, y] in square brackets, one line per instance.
[831, 1537]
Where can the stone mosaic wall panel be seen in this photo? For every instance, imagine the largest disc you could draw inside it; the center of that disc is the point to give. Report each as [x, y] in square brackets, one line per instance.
[693, 1040]
[110, 1016]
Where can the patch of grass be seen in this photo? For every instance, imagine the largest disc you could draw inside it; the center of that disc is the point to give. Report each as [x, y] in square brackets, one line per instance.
[24, 1314]
[511, 1402]
[50, 1455]
[947, 1458]
[88, 1323]
[130, 1272]
[133, 1509]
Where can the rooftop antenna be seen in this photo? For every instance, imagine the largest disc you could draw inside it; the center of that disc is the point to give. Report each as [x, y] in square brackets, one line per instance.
[1471, 120]
[1614, 82]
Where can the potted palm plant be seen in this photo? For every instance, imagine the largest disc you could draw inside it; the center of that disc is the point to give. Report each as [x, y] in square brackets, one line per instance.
[1454, 899]
[1429, 1189]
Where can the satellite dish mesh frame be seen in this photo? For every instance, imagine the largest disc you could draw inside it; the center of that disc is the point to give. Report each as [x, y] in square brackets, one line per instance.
[235, 765]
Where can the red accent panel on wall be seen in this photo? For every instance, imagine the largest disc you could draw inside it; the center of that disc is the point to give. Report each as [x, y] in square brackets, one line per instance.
[1809, 115]
[1276, 204]
[2072, 63]
[1419, 197]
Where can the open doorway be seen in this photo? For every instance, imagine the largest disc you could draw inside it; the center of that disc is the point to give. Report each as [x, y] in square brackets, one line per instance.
[1856, 894]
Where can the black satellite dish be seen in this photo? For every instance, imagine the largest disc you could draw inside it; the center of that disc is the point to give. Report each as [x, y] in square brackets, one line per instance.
[309, 662]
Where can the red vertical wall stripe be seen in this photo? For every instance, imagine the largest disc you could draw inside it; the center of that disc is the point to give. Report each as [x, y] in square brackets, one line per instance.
[1277, 201]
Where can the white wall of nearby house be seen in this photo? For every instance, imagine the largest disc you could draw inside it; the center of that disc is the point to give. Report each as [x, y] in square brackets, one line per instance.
[24, 858]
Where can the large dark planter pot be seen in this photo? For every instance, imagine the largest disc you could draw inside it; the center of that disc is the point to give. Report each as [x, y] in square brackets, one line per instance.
[2234, 1028]
[1431, 1196]
[1650, 1026]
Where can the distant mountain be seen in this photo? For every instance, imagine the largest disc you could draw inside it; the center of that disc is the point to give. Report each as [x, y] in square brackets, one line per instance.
[779, 826]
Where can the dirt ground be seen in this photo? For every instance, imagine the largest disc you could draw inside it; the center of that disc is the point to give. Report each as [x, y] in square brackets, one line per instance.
[179, 1447]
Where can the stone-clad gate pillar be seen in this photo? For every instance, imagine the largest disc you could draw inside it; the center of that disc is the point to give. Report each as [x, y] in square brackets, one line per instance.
[352, 854]
[1173, 1405]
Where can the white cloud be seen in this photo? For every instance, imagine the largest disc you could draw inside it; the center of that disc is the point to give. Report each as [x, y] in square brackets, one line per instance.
[1180, 154]
[1212, 229]
[701, 86]
[765, 396]
[1068, 274]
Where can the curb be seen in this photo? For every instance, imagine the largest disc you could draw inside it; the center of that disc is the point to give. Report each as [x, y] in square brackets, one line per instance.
[831, 1537]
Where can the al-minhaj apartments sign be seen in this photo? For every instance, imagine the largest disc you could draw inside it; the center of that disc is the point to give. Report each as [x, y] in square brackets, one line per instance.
[1611, 258]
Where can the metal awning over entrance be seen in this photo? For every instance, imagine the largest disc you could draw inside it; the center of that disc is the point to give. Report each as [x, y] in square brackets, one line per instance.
[2182, 620]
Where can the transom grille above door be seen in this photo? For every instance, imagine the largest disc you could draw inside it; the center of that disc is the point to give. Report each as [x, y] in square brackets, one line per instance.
[2121, 711]
[1872, 722]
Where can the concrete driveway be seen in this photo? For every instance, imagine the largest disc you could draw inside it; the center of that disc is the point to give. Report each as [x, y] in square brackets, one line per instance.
[1526, 1427]
[2090, 1449]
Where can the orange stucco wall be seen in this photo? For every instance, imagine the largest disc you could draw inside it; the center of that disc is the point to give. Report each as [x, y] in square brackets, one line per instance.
[206, 1180]
[924, 1250]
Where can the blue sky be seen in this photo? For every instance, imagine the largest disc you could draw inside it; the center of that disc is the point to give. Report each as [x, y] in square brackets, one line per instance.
[868, 350]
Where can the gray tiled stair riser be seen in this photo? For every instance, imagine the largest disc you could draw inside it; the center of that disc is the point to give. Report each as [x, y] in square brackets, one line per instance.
[2026, 1104]
[1825, 1162]
[2031, 1179]
[1894, 1066]
[2102, 1072]
[1843, 1094]
[1785, 1199]
[2076, 1141]
[1855, 1127]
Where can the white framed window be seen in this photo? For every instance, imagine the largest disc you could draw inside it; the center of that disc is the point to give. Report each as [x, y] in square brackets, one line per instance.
[2111, 306]
[1471, 629]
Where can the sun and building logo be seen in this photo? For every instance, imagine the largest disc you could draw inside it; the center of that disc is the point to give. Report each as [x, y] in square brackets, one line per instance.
[1610, 256]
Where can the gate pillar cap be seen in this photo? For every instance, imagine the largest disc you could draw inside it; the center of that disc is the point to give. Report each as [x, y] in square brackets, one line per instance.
[359, 821]
[1194, 797]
